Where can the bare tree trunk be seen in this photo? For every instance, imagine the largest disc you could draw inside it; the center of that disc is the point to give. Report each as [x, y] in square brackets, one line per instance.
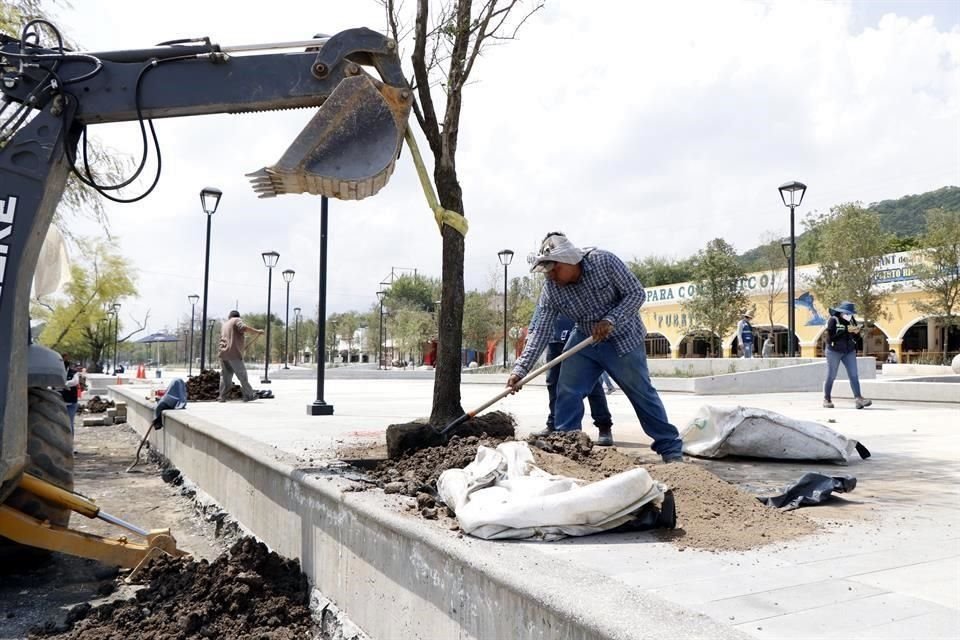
[446, 381]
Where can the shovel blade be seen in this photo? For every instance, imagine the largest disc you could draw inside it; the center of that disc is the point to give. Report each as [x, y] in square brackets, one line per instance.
[348, 150]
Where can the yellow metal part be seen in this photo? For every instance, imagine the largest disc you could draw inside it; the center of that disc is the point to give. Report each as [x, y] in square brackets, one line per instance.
[56, 495]
[442, 216]
[31, 532]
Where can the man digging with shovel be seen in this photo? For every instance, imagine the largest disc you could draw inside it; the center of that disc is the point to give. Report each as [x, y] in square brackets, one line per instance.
[596, 290]
[231, 357]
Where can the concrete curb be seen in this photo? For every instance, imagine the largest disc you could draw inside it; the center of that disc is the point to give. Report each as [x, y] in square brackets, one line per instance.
[906, 389]
[394, 575]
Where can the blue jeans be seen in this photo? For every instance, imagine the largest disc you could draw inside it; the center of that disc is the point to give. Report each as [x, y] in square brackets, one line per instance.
[607, 382]
[849, 360]
[747, 349]
[599, 410]
[579, 374]
[72, 412]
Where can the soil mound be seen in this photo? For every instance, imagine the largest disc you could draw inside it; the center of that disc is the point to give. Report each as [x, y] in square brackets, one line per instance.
[206, 386]
[96, 404]
[416, 470]
[409, 437]
[248, 592]
[711, 513]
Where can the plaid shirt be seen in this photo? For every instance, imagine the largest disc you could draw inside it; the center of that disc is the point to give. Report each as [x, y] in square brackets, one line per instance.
[606, 290]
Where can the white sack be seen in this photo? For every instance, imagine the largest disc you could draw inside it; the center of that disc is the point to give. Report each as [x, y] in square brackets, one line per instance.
[744, 431]
[53, 265]
[502, 494]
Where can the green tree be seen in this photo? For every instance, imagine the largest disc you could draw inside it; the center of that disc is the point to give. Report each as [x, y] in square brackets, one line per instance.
[75, 319]
[718, 302]
[938, 270]
[481, 320]
[414, 291]
[522, 298]
[256, 347]
[371, 320]
[654, 271]
[447, 42]
[772, 262]
[850, 241]
[412, 327]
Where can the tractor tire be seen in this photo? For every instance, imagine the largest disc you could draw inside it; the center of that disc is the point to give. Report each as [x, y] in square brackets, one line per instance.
[50, 449]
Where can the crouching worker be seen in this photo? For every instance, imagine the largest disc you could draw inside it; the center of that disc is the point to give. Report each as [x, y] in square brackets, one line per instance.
[175, 397]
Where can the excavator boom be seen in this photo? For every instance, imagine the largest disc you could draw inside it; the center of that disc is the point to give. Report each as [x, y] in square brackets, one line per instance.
[50, 95]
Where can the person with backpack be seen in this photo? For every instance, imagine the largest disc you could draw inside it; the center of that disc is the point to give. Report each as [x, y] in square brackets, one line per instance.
[842, 329]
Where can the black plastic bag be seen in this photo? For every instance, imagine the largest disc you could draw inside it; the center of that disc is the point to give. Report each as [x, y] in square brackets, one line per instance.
[812, 488]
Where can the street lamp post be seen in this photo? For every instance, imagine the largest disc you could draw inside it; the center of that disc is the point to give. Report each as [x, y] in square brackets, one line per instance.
[506, 257]
[110, 314]
[320, 407]
[288, 278]
[209, 200]
[193, 299]
[792, 188]
[270, 259]
[116, 332]
[296, 335]
[380, 296]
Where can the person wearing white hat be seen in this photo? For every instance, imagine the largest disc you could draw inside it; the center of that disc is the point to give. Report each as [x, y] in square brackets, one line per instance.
[596, 290]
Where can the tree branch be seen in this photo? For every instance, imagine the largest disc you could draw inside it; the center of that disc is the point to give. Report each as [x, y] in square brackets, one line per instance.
[141, 327]
[428, 118]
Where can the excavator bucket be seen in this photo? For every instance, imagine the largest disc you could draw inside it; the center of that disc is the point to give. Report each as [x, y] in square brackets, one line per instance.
[349, 148]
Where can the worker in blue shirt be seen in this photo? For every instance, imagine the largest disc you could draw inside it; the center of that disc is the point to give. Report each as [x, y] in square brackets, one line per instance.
[596, 290]
[599, 410]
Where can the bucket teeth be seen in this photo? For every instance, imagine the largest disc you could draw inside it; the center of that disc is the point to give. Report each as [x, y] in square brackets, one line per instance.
[347, 151]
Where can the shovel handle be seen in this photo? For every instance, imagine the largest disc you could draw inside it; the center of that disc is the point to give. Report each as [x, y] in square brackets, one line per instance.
[530, 376]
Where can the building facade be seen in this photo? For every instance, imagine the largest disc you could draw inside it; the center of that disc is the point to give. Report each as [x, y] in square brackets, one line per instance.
[911, 335]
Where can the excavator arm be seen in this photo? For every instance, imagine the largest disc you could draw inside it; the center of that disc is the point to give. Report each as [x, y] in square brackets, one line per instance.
[50, 95]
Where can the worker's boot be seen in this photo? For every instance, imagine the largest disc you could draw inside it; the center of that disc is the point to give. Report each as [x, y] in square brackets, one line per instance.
[605, 437]
[670, 459]
[863, 402]
[827, 404]
[545, 432]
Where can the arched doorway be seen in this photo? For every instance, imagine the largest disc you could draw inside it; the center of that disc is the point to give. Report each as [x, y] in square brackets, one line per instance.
[657, 345]
[923, 342]
[873, 342]
[697, 345]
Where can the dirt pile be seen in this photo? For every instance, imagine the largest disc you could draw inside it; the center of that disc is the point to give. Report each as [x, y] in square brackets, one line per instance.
[409, 437]
[205, 386]
[248, 592]
[711, 513]
[413, 471]
[96, 404]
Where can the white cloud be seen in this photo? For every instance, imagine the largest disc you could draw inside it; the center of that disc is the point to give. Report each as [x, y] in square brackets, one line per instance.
[641, 127]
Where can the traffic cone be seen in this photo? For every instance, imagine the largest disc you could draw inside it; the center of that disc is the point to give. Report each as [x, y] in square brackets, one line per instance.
[141, 372]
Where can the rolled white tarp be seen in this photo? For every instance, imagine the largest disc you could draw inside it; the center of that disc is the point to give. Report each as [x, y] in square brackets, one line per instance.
[717, 432]
[503, 494]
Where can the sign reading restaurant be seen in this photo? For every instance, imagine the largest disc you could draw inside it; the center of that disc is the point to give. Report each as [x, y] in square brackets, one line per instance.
[891, 268]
